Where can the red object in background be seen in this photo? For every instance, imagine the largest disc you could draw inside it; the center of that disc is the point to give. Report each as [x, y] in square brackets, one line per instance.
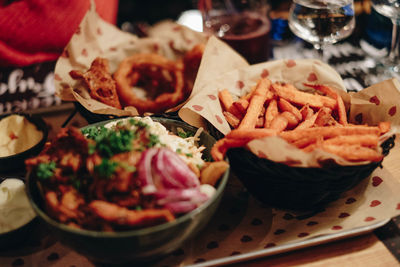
[34, 31]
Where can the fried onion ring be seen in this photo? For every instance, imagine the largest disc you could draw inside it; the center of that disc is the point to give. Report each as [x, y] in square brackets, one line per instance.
[162, 79]
[99, 82]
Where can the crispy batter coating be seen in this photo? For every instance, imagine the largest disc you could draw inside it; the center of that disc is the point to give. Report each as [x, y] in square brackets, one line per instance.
[99, 81]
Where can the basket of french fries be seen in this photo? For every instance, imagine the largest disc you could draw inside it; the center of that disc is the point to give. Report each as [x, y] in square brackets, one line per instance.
[307, 122]
[293, 135]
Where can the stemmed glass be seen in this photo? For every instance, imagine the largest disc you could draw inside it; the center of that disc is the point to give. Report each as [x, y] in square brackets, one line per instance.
[391, 9]
[322, 22]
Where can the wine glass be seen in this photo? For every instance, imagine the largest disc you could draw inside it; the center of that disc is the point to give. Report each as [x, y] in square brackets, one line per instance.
[391, 9]
[322, 22]
[243, 24]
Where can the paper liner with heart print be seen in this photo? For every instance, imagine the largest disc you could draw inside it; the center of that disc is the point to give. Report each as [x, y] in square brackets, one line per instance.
[222, 68]
[97, 38]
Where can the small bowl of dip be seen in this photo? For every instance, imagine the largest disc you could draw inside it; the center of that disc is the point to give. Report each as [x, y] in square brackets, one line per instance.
[16, 214]
[21, 136]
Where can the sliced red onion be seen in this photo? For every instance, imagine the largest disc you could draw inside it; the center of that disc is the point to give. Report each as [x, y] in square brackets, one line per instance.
[174, 171]
[171, 199]
[166, 177]
[145, 171]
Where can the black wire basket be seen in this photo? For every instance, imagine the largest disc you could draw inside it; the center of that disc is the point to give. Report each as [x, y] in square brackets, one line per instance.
[298, 188]
[91, 117]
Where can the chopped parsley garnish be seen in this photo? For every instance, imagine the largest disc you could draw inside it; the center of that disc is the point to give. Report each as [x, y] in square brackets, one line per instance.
[153, 140]
[178, 150]
[106, 168]
[92, 132]
[138, 123]
[111, 142]
[189, 155]
[127, 167]
[181, 133]
[45, 171]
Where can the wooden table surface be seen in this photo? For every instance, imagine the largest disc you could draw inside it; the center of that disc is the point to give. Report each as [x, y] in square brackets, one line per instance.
[362, 251]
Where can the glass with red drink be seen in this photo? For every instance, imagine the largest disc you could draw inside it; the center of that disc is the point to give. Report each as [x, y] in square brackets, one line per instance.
[243, 24]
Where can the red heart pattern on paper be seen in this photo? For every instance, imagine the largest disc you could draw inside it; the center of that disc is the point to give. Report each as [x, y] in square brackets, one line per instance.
[84, 52]
[57, 77]
[219, 120]
[264, 73]
[375, 203]
[290, 63]
[369, 219]
[240, 84]
[392, 111]
[375, 100]
[197, 107]
[376, 181]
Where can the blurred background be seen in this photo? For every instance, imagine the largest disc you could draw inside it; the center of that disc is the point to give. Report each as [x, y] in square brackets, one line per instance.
[352, 57]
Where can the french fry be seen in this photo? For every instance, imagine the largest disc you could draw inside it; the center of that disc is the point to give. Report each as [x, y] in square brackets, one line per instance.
[306, 112]
[290, 93]
[317, 142]
[249, 134]
[323, 117]
[213, 172]
[219, 149]
[231, 119]
[353, 152]
[284, 105]
[270, 113]
[368, 140]
[384, 127]
[279, 123]
[304, 142]
[329, 132]
[226, 100]
[260, 122]
[241, 105]
[291, 118]
[332, 93]
[256, 104]
[308, 122]
[249, 94]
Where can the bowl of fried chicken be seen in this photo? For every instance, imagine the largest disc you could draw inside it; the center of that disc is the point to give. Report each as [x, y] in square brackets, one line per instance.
[124, 190]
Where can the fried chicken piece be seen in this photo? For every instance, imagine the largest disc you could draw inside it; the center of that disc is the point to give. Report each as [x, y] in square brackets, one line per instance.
[64, 207]
[132, 218]
[98, 79]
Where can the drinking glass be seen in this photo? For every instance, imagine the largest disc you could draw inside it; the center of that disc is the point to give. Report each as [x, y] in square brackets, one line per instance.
[243, 24]
[322, 22]
[391, 9]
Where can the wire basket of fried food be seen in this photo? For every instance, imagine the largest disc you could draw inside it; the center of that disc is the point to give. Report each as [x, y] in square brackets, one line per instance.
[110, 73]
[145, 82]
[296, 150]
